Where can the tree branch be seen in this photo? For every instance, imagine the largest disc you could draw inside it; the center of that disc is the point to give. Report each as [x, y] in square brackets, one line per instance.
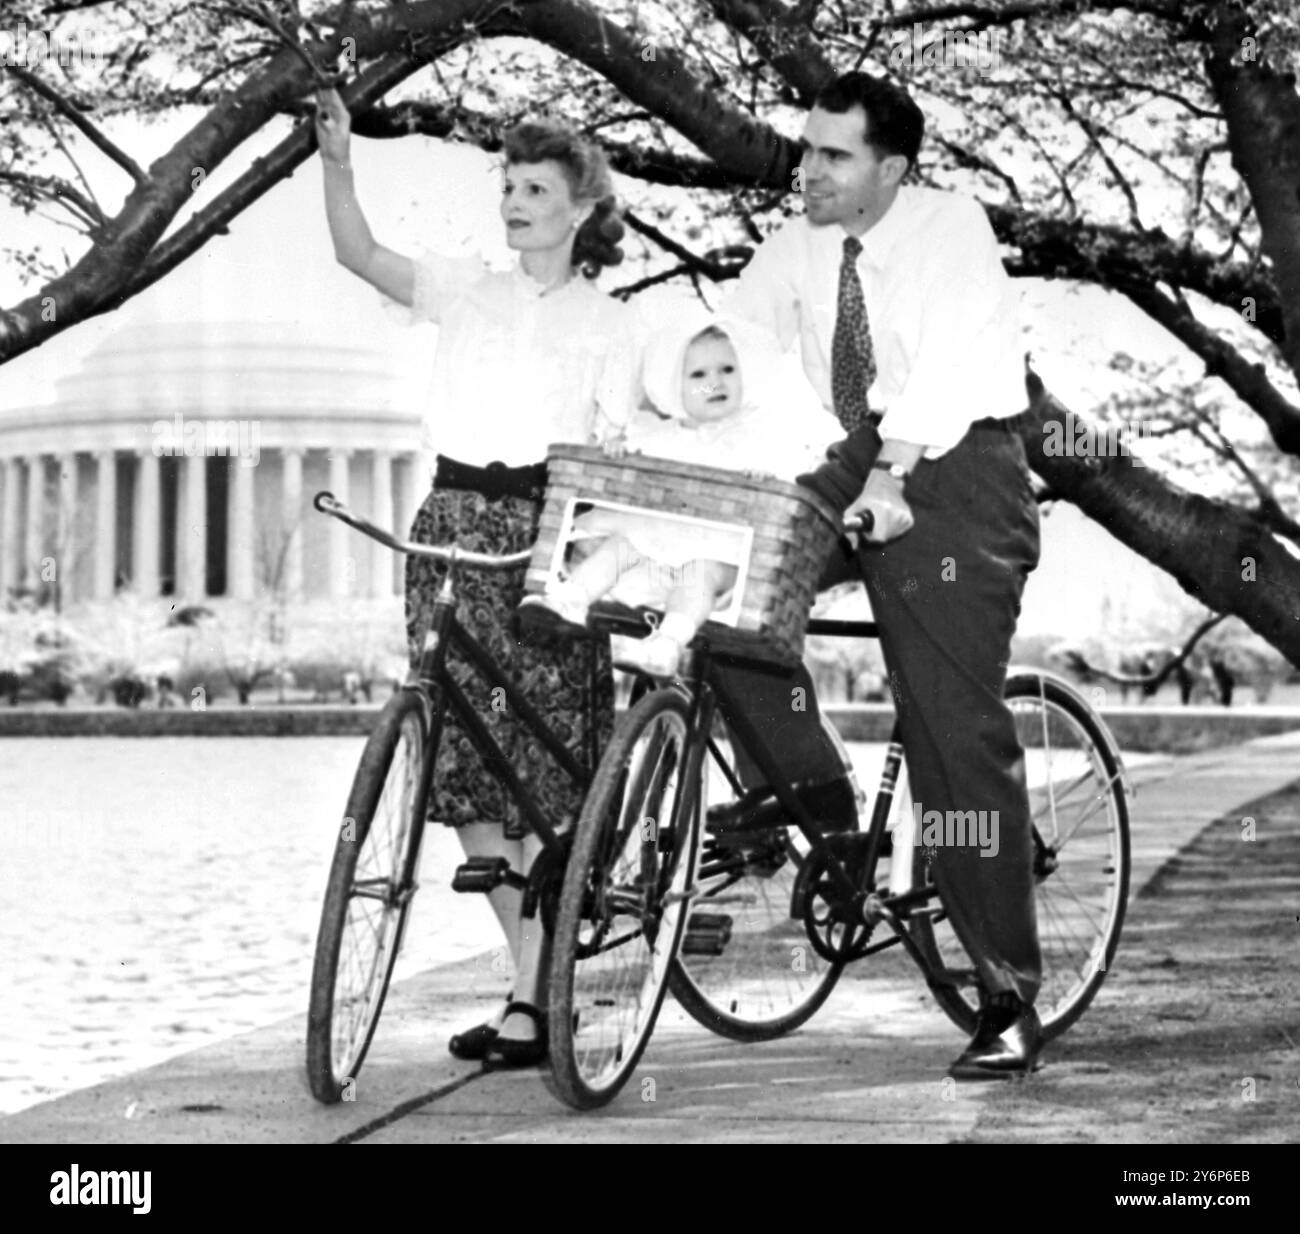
[1262, 109]
[263, 174]
[1148, 681]
[653, 280]
[980, 16]
[782, 37]
[71, 111]
[711, 269]
[125, 258]
[1269, 510]
[449, 120]
[1248, 381]
[977, 162]
[1121, 181]
[54, 189]
[1120, 257]
[752, 152]
[1203, 543]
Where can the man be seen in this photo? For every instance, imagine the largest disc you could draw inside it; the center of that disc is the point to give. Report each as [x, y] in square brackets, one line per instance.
[907, 325]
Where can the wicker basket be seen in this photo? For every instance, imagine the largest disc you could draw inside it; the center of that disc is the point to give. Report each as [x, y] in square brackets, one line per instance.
[793, 532]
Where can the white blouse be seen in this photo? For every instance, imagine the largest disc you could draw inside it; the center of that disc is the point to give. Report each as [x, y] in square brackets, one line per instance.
[516, 367]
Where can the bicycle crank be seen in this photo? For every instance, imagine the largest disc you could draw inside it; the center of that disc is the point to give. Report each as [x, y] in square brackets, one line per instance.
[839, 928]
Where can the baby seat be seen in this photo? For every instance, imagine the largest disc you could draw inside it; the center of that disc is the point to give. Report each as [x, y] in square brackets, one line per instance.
[776, 534]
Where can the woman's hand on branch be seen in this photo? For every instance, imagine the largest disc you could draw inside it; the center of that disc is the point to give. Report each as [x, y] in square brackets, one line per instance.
[333, 127]
[354, 247]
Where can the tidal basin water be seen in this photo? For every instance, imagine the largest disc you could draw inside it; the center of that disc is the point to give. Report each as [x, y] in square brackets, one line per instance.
[158, 894]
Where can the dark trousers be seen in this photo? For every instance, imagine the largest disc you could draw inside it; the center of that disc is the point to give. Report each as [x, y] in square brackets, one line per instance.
[946, 596]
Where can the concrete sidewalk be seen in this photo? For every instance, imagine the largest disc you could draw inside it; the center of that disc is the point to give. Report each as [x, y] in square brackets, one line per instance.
[869, 1067]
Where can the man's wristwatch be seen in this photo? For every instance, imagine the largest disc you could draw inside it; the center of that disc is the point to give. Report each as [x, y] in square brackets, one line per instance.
[897, 470]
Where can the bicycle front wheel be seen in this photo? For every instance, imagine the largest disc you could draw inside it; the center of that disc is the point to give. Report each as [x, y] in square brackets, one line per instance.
[760, 978]
[624, 900]
[368, 896]
[1081, 857]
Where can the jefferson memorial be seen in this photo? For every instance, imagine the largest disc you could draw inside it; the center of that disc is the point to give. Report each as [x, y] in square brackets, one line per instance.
[180, 459]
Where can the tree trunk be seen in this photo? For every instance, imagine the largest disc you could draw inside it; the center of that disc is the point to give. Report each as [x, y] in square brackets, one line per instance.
[1218, 553]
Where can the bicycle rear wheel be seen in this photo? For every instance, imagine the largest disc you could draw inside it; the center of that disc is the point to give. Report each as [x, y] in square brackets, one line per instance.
[368, 896]
[761, 978]
[624, 900]
[1081, 857]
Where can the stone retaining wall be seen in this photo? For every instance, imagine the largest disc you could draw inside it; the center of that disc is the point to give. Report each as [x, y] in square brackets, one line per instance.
[1146, 729]
[1170, 730]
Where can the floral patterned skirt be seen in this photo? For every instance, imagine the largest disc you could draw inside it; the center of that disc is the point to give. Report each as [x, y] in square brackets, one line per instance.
[554, 675]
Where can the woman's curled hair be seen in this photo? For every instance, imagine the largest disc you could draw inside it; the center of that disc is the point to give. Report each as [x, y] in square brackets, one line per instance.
[583, 162]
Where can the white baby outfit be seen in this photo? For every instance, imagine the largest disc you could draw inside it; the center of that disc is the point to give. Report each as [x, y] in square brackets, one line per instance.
[759, 438]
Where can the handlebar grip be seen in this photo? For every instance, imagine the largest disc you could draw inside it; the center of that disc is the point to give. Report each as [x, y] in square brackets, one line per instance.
[862, 522]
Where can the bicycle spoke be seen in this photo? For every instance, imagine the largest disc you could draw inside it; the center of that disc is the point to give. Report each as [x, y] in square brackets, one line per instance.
[1058, 887]
[370, 891]
[1078, 808]
[759, 977]
[1060, 919]
[631, 860]
[1099, 803]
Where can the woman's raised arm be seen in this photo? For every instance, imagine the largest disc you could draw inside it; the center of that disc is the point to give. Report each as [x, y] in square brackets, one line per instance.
[354, 246]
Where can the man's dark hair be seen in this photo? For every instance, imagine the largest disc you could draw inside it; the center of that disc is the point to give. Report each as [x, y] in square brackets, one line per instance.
[895, 124]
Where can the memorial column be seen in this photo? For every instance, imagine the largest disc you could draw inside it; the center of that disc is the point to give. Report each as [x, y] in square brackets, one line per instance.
[105, 524]
[148, 525]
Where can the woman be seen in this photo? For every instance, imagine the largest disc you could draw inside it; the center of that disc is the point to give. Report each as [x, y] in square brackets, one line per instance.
[524, 358]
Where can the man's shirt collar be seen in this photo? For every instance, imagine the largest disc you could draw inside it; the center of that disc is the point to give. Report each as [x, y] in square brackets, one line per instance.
[879, 240]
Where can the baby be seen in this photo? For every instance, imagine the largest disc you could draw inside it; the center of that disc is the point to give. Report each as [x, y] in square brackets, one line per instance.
[705, 414]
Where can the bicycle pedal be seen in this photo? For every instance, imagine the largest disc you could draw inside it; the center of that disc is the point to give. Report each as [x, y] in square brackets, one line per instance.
[486, 874]
[707, 934]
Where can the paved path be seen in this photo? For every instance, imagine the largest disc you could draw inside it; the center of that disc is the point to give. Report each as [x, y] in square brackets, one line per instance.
[868, 1068]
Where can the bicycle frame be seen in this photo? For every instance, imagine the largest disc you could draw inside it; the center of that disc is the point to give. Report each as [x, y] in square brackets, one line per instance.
[709, 694]
[430, 676]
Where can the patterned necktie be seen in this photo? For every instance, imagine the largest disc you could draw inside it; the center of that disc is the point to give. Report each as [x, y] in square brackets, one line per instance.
[853, 362]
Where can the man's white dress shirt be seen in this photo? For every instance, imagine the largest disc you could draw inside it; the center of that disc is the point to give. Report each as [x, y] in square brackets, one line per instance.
[943, 313]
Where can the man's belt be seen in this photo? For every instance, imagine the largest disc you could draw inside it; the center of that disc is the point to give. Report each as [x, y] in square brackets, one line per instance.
[1005, 424]
[494, 481]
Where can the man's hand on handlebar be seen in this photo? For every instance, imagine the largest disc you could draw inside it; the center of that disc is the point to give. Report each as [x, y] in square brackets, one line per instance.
[891, 516]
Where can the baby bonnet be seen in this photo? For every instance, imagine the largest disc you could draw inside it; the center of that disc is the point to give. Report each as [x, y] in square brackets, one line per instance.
[665, 351]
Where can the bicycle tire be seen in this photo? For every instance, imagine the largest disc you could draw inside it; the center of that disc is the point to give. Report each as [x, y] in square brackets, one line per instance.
[768, 980]
[624, 900]
[1082, 901]
[376, 860]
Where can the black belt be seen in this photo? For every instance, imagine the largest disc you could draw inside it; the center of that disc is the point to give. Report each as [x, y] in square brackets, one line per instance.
[494, 481]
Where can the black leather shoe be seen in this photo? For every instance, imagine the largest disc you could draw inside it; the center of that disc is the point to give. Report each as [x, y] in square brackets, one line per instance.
[1000, 1050]
[832, 803]
[510, 1052]
[473, 1044]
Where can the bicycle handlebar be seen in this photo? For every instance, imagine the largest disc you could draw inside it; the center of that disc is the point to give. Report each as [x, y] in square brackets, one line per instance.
[862, 522]
[327, 503]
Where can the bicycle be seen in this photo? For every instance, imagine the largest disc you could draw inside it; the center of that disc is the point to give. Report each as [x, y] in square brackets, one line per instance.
[771, 882]
[621, 893]
[374, 872]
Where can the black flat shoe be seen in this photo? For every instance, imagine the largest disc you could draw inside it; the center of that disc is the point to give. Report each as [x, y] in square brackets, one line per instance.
[1000, 1050]
[473, 1044]
[505, 1052]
